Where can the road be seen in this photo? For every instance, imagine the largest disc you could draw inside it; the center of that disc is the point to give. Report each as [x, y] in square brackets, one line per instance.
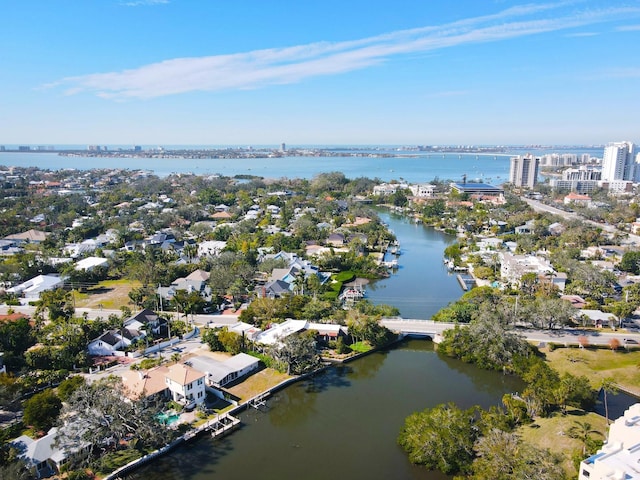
[396, 324]
[626, 237]
[94, 313]
[562, 336]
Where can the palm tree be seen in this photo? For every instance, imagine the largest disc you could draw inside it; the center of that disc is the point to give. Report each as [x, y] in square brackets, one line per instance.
[582, 431]
[299, 282]
[607, 385]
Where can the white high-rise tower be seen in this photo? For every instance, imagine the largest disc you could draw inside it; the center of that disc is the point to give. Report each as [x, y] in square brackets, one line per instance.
[524, 171]
[618, 162]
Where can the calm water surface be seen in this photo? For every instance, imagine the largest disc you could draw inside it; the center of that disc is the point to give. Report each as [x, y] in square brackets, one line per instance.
[492, 169]
[421, 285]
[341, 423]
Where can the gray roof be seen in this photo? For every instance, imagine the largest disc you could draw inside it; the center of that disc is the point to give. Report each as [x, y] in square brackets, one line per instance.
[216, 371]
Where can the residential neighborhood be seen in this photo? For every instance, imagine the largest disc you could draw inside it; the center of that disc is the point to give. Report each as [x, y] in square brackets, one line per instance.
[279, 271]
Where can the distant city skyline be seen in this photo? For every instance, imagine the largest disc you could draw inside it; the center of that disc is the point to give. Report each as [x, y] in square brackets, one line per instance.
[174, 72]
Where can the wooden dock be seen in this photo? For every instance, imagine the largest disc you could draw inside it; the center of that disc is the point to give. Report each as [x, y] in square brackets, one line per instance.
[222, 425]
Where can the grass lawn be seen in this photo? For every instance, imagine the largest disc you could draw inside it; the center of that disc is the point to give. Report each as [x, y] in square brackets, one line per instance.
[551, 433]
[258, 383]
[360, 347]
[109, 294]
[622, 366]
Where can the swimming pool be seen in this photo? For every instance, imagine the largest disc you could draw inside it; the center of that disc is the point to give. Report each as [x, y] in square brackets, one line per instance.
[168, 418]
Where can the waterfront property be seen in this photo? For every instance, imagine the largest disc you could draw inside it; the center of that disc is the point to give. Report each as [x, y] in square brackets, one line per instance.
[42, 455]
[219, 374]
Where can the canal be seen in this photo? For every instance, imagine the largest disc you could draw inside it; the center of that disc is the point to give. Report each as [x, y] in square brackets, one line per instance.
[345, 421]
[341, 423]
[421, 285]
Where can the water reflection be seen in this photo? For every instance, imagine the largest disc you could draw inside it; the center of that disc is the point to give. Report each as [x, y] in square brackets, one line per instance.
[422, 285]
[319, 429]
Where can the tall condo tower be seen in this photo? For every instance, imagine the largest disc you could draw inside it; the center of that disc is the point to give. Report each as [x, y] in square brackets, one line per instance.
[524, 171]
[618, 162]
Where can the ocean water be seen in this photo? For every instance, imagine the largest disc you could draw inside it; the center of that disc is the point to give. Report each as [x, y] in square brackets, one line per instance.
[413, 167]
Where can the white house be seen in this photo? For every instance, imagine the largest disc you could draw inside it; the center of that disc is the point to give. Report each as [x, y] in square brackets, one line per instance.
[512, 267]
[185, 384]
[31, 289]
[278, 332]
[218, 374]
[389, 188]
[90, 263]
[423, 190]
[211, 248]
[42, 455]
[619, 458]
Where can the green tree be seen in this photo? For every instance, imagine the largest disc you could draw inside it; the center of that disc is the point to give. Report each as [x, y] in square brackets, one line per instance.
[15, 338]
[41, 410]
[502, 455]
[297, 353]
[440, 438]
[70, 385]
[210, 337]
[231, 341]
[58, 303]
[630, 262]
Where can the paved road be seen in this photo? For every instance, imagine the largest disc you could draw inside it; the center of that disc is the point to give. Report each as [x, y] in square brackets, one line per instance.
[568, 335]
[627, 238]
[396, 324]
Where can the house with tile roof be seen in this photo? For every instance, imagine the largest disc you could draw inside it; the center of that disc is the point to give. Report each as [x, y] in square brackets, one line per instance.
[186, 384]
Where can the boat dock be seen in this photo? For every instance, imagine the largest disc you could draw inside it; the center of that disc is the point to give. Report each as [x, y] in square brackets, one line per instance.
[223, 425]
[467, 282]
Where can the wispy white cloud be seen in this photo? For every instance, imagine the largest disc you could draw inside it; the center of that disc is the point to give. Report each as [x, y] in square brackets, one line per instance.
[628, 28]
[139, 3]
[259, 68]
[582, 34]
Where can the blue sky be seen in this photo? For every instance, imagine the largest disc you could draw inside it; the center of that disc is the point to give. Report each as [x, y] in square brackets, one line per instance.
[174, 72]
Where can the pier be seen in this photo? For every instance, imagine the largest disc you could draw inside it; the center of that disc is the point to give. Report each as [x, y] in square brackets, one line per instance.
[467, 282]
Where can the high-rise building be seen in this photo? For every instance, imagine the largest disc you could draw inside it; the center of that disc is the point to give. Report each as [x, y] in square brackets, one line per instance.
[618, 162]
[524, 171]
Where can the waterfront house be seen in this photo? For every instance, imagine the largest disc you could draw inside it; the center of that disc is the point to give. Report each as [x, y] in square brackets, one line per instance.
[512, 267]
[186, 385]
[327, 332]
[145, 383]
[423, 190]
[280, 331]
[41, 455]
[220, 373]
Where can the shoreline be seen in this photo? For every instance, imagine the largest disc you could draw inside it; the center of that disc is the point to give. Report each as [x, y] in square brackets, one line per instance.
[196, 432]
